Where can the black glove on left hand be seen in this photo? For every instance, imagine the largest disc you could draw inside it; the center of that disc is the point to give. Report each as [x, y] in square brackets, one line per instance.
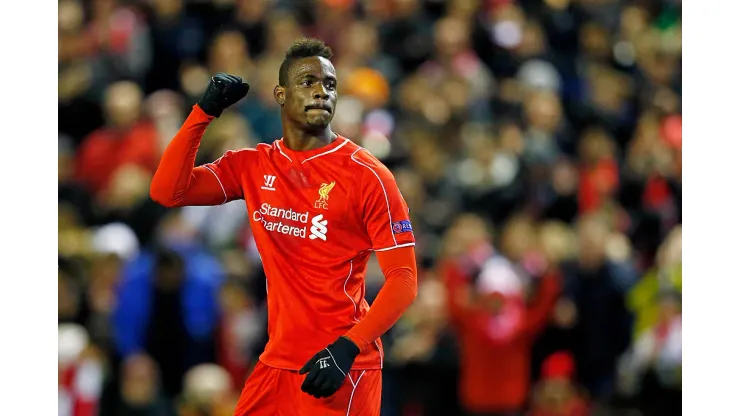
[223, 91]
[328, 368]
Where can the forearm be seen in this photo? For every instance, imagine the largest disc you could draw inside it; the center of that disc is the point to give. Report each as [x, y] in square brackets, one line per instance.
[174, 179]
[543, 303]
[396, 295]
[458, 292]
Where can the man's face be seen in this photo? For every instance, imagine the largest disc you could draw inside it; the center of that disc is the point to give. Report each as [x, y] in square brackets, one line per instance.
[123, 104]
[310, 96]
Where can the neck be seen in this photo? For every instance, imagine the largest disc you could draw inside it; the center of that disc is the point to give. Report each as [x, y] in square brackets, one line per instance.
[299, 139]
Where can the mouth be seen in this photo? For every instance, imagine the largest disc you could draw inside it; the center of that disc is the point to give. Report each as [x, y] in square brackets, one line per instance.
[319, 107]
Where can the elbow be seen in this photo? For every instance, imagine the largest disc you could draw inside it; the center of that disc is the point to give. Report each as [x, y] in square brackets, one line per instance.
[407, 278]
[161, 196]
[412, 291]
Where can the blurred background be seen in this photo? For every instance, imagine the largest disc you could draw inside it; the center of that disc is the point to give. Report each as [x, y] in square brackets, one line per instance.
[537, 143]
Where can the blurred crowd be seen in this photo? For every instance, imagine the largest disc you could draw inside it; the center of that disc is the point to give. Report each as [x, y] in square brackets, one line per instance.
[537, 143]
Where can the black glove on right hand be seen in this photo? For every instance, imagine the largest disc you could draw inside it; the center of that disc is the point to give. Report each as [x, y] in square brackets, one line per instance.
[223, 91]
[328, 368]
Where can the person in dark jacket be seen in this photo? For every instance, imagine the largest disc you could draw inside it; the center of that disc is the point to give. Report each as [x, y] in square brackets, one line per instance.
[168, 307]
[597, 285]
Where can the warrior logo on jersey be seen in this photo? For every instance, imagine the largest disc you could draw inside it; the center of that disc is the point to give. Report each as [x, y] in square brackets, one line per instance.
[324, 195]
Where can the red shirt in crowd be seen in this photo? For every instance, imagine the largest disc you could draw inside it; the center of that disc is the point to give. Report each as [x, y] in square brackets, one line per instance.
[105, 150]
[495, 371]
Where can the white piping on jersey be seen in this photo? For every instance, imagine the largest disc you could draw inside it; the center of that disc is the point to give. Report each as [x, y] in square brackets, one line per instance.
[354, 386]
[398, 246]
[226, 198]
[327, 152]
[390, 219]
[380, 351]
[355, 383]
[354, 313]
[277, 143]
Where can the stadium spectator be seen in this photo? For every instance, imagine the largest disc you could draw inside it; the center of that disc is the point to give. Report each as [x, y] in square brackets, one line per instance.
[497, 320]
[167, 306]
[597, 286]
[556, 394]
[140, 391]
[126, 139]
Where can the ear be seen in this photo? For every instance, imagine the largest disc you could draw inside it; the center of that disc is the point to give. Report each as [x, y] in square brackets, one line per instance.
[279, 94]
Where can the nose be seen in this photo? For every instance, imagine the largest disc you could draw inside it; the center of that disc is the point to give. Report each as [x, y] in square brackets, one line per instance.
[320, 92]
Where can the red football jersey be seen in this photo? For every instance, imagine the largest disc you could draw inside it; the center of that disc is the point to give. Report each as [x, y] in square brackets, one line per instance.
[316, 216]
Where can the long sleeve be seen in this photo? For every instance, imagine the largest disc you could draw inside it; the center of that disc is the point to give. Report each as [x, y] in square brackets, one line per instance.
[178, 183]
[132, 309]
[396, 295]
[542, 304]
[456, 288]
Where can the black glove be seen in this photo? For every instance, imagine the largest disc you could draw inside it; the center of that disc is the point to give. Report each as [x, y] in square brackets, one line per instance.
[328, 368]
[223, 91]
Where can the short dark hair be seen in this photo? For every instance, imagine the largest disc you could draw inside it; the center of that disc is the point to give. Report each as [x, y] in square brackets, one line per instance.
[302, 48]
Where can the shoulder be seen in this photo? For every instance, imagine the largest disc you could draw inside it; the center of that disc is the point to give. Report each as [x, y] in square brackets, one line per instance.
[369, 167]
[144, 127]
[623, 280]
[353, 158]
[248, 153]
[137, 270]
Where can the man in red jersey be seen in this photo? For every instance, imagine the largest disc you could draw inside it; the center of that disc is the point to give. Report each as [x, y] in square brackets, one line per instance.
[318, 205]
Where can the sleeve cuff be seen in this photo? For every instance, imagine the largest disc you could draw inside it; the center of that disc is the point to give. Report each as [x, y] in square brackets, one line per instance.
[363, 345]
[200, 114]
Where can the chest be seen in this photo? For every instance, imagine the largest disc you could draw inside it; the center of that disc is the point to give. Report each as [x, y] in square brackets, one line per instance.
[301, 202]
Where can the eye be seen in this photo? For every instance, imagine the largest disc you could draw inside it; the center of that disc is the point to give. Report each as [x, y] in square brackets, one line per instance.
[306, 83]
[331, 85]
